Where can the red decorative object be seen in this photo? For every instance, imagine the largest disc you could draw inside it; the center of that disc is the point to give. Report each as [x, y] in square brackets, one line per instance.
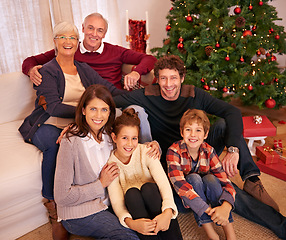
[137, 35]
[258, 53]
[277, 37]
[225, 89]
[268, 54]
[241, 59]
[171, 9]
[247, 33]
[189, 18]
[262, 83]
[260, 3]
[181, 39]
[276, 80]
[282, 122]
[206, 87]
[180, 46]
[250, 87]
[217, 45]
[227, 58]
[273, 58]
[271, 30]
[202, 80]
[267, 155]
[270, 103]
[237, 10]
[277, 170]
[250, 7]
[254, 28]
[168, 28]
[251, 129]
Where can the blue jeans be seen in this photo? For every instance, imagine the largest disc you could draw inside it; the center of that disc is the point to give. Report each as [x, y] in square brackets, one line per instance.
[145, 130]
[45, 139]
[209, 189]
[101, 225]
[246, 165]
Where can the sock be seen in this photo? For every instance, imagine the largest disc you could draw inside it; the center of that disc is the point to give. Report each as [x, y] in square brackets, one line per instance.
[253, 178]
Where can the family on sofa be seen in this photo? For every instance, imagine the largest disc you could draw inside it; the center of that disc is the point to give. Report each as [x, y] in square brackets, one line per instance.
[67, 73]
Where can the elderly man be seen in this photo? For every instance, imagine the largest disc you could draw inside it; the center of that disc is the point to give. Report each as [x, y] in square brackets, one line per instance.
[104, 58]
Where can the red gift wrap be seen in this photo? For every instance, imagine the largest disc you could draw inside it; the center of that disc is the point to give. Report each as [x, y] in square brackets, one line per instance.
[267, 155]
[274, 169]
[251, 129]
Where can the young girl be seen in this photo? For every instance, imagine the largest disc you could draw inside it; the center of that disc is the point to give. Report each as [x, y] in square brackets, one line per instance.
[141, 195]
[198, 176]
[82, 174]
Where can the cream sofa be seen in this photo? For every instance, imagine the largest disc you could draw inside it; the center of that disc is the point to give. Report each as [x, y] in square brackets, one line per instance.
[21, 208]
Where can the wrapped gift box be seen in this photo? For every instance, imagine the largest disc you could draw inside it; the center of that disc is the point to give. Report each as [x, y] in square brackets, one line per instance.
[267, 155]
[281, 128]
[274, 169]
[251, 129]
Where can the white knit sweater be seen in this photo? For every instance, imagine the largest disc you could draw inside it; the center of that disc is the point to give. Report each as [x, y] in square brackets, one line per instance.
[139, 170]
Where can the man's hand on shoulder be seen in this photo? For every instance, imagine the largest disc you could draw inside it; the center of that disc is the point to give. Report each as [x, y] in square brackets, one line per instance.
[34, 75]
[130, 80]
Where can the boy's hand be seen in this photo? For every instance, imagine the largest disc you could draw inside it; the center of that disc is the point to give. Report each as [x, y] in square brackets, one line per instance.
[220, 214]
[163, 220]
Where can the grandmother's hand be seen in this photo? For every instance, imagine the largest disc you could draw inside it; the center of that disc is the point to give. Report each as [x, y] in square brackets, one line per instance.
[34, 75]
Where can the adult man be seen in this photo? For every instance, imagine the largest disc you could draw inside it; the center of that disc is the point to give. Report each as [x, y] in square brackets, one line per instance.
[105, 58]
[165, 104]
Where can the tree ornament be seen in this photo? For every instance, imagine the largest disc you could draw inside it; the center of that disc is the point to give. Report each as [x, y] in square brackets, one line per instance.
[277, 37]
[250, 7]
[260, 3]
[276, 80]
[237, 10]
[254, 28]
[241, 59]
[273, 58]
[225, 89]
[233, 45]
[167, 41]
[181, 39]
[268, 54]
[180, 46]
[270, 103]
[271, 30]
[206, 87]
[171, 9]
[168, 27]
[208, 50]
[262, 83]
[240, 22]
[258, 53]
[189, 18]
[227, 58]
[247, 33]
[217, 45]
[262, 50]
[250, 87]
[202, 80]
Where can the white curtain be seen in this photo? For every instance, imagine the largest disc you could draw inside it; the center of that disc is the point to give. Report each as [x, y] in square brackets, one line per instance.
[26, 25]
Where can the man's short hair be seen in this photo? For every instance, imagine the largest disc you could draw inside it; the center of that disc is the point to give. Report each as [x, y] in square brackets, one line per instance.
[96, 15]
[172, 62]
[195, 115]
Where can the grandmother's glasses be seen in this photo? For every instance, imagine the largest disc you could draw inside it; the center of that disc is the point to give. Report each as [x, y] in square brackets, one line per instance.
[64, 38]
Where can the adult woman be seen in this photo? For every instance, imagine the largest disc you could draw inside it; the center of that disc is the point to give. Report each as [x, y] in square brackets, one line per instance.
[82, 174]
[63, 82]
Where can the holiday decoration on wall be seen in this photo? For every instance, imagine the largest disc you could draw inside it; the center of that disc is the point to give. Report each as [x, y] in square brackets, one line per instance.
[232, 45]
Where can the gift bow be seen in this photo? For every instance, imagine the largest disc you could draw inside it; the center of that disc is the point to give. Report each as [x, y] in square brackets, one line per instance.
[270, 150]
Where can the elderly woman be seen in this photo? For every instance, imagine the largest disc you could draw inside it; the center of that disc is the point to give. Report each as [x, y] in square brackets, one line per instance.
[64, 81]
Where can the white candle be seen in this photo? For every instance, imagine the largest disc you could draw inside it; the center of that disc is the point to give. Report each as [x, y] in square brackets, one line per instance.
[147, 23]
[127, 24]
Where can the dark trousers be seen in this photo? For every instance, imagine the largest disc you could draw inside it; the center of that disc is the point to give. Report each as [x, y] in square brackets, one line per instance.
[147, 203]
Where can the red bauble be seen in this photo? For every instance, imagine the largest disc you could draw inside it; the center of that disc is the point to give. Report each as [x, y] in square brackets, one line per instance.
[270, 103]
[276, 80]
[227, 58]
[271, 30]
[277, 37]
[206, 87]
[247, 33]
[262, 83]
[225, 89]
[168, 27]
[180, 46]
[260, 3]
[273, 58]
[171, 8]
[237, 10]
[181, 39]
[202, 80]
[250, 7]
[258, 53]
[250, 88]
[241, 59]
[268, 54]
[254, 28]
[189, 18]
[217, 45]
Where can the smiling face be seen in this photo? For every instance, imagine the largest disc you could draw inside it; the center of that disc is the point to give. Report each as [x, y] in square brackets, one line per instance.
[126, 141]
[96, 113]
[66, 44]
[94, 29]
[170, 84]
[193, 134]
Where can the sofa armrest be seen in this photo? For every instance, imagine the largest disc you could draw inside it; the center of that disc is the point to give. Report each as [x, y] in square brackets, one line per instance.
[144, 81]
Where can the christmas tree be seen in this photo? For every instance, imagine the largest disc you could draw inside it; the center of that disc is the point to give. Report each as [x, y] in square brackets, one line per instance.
[229, 48]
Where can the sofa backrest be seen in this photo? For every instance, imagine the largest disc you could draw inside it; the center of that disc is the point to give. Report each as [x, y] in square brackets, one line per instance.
[17, 97]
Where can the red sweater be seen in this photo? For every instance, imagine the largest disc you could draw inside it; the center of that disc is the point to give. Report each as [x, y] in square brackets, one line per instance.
[108, 64]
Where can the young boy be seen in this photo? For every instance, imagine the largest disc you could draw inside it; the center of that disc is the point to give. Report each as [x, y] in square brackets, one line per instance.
[198, 176]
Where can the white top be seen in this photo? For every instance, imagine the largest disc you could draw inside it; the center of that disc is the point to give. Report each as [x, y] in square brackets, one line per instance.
[98, 155]
[84, 50]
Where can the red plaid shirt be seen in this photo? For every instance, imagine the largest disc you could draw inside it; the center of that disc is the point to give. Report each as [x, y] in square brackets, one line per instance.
[180, 165]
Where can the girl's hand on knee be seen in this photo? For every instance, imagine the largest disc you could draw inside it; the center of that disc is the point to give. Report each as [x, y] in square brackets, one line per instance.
[163, 220]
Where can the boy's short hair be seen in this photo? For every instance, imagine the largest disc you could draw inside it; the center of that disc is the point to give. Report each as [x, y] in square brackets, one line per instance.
[195, 115]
